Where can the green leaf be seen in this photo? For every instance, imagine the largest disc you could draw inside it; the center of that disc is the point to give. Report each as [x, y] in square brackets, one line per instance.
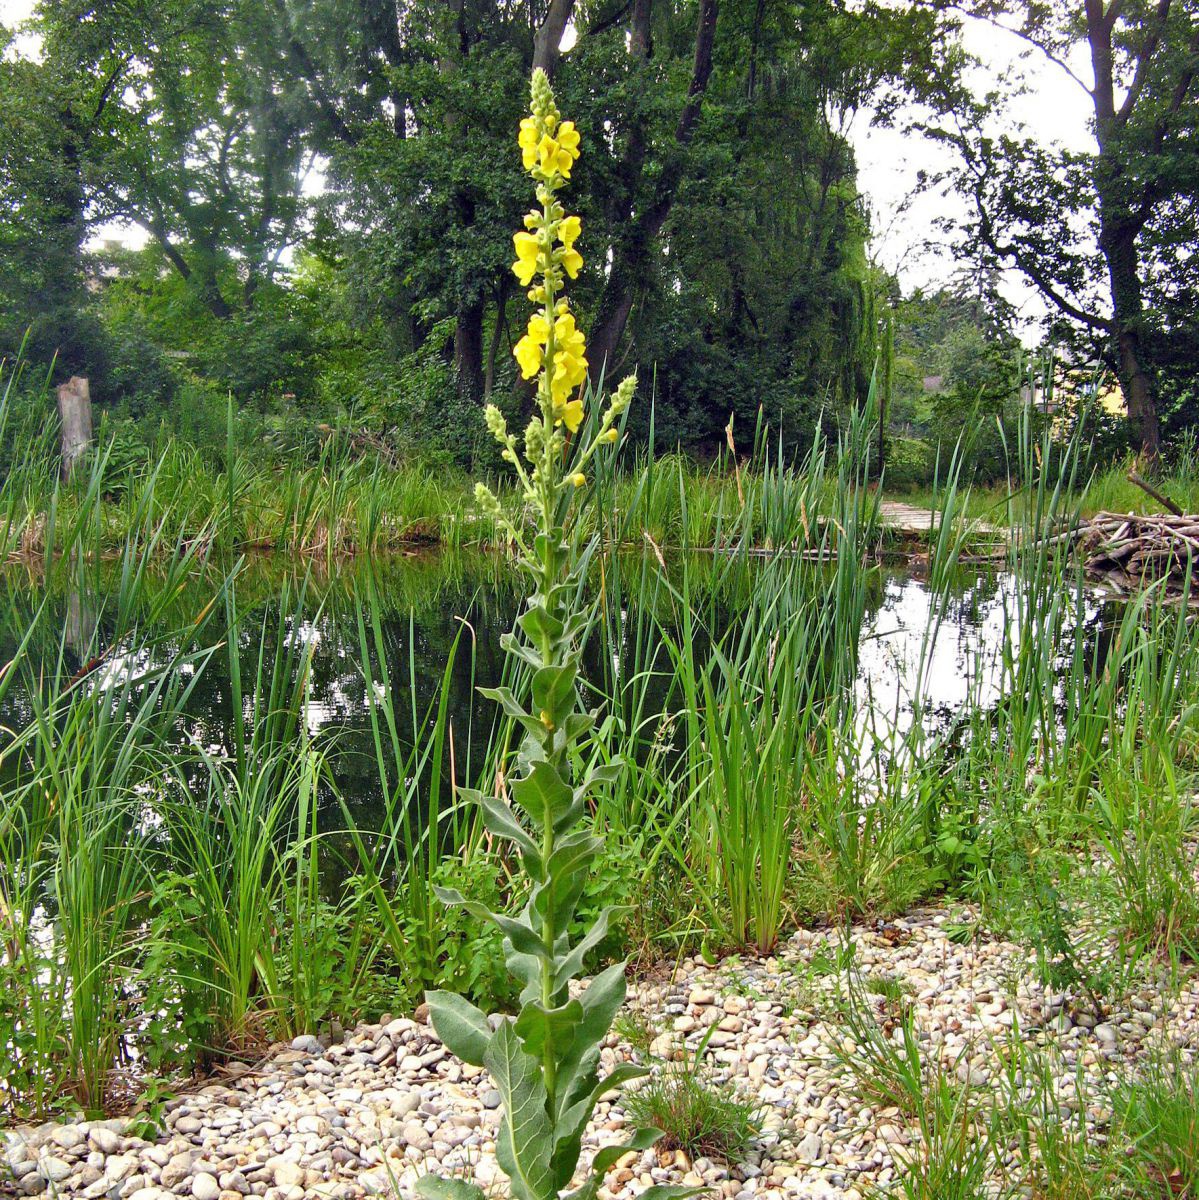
[500, 820]
[554, 691]
[568, 1132]
[461, 1026]
[523, 1144]
[522, 650]
[512, 707]
[538, 1026]
[518, 930]
[608, 1157]
[538, 624]
[565, 877]
[600, 1001]
[672, 1191]
[542, 792]
[572, 964]
[435, 1187]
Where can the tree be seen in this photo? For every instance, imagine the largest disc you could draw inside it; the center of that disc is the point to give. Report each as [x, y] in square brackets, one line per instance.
[50, 120]
[201, 141]
[1095, 231]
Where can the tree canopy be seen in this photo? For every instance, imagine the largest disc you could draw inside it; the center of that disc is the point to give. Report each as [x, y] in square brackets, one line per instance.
[328, 189]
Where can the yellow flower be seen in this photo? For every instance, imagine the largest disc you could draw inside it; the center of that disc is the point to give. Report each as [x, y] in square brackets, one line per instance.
[528, 351]
[555, 157]
[568, 339]
[530, 355]
[539, 329]
[528, 143]
[569, 229]
[578, 478]
[572, 418]
[572, 262]
[528, 249]
[568, 139]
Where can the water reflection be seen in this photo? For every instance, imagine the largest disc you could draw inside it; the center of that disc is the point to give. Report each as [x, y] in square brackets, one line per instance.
[401, 620]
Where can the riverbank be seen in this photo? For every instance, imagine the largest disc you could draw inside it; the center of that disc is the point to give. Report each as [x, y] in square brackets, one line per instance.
[813, 1034]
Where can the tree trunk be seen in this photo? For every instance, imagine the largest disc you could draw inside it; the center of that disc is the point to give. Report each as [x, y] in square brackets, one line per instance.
[468, 349]
[631, 254]
[1120, 222]
[547, 41]
[75, 412]
[501, 321]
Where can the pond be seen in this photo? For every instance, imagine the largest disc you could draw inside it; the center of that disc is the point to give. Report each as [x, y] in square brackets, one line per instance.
[429, 622]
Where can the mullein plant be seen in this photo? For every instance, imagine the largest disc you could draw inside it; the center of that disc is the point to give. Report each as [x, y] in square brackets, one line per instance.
[546, 1060]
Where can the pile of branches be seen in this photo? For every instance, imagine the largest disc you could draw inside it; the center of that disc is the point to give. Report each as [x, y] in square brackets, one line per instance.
[1129, 551]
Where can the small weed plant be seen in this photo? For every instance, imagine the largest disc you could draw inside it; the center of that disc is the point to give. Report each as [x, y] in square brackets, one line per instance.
[695, 1114]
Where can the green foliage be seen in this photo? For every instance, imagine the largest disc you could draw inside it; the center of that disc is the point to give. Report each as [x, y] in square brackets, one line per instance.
[694, 1113]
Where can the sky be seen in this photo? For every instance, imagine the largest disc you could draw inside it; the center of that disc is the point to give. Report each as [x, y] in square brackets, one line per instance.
[1053, 105]
[889, 161]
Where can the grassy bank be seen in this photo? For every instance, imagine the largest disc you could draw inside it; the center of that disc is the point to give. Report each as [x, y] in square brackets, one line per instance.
[164, 890]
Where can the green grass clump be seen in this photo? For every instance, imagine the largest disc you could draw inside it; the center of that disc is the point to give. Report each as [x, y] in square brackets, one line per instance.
[1156, 1128]
[696, 1115]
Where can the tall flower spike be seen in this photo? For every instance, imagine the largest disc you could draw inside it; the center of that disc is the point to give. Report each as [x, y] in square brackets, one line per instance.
[546, 1062]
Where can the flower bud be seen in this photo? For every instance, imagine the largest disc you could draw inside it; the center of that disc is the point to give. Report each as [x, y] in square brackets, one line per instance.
[485, 499]
[496, 424]
[623, 396]
[578, 479]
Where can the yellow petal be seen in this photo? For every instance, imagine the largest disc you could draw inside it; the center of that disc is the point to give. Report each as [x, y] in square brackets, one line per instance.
[527, 246]
[528, 133]
[539, 329]
[572, 418]
[524, 269]
[569, 230]
[572, 262]
[528, 354]
[547, 148]
[568, 137]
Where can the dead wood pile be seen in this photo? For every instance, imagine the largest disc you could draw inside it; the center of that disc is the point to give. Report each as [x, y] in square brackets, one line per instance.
[1130, 551]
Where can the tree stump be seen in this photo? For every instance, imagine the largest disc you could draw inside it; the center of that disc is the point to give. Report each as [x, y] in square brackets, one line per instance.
[75, 412]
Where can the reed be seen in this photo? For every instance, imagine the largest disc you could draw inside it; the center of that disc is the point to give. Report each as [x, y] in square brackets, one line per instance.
[153, 865]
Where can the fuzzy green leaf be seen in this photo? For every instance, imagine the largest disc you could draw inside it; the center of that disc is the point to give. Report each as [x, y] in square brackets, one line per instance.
[524, 1142]
[568, 1130]
[461, 1026]
[501, 821]
[512, 707]
[558, 1027]
[554, 691]
[518, 930]
[608, 1157]
[572, 964]
[600, 1001]
[542, 792]
[538, 624]
[672, 1191]
[435, 1187]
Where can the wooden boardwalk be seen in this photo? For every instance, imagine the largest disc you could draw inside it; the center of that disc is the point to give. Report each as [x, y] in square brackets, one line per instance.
[906, 519]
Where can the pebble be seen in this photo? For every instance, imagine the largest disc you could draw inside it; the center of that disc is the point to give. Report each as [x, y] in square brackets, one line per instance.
[381, 1105]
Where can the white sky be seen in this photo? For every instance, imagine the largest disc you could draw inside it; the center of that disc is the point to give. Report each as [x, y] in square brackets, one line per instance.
[889, 161]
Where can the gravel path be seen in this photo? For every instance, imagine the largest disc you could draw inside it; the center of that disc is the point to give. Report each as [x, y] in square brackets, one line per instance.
[369, 1115]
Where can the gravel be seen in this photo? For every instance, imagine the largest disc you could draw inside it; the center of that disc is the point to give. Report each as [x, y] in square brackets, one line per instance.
[368, 1115]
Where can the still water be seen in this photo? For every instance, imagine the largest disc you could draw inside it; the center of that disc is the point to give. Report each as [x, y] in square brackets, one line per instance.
[400, 621]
